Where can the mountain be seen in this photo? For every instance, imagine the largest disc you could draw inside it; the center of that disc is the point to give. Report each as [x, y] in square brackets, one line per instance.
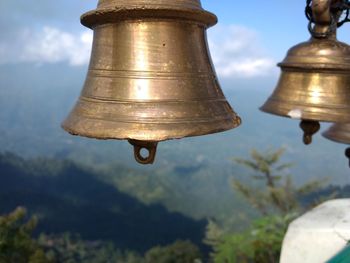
[70, 198]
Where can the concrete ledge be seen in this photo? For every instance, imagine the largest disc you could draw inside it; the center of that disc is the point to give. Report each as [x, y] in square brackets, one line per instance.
[318, 235]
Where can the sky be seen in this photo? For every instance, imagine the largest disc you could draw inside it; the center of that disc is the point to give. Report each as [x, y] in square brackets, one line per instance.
[250, 38]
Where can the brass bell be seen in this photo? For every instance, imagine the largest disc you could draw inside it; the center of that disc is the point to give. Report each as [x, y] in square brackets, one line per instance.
[314, 85]
[150, 77]
[339, 132]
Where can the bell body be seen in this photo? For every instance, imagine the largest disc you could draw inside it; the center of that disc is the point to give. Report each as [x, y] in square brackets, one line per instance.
[150, 77]
[339, 132]
[315, 83]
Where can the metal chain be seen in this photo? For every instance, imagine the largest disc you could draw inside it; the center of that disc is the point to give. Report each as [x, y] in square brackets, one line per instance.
[341, 6]
[308, 11]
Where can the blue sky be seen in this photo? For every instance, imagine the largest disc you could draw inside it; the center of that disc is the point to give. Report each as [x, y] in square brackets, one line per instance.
[250, 38]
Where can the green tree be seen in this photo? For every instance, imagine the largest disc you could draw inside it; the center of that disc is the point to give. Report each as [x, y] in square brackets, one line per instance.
[69, 248]
[213, 236]
[279, 194]
[179, 252]
[16, 244]
[276, 198]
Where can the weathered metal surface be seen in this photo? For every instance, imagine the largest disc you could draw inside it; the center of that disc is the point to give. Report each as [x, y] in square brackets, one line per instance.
[150, 77]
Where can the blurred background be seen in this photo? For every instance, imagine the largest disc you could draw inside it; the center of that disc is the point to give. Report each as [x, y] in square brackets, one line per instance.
[93, 194]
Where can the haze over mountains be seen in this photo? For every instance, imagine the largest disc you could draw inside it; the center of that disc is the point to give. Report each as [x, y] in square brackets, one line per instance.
[34, 99]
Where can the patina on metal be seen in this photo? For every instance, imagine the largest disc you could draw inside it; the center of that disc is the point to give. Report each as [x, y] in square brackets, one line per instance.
[314, 85]
[150, 77]
[339, 132]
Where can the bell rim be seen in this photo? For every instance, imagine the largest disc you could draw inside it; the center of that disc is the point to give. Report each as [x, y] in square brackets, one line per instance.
[231, 123]
[338, 132]
[307, 115]
[98, 17]
[329, 136]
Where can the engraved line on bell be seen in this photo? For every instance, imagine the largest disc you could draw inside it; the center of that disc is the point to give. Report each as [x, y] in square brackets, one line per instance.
[149, 74]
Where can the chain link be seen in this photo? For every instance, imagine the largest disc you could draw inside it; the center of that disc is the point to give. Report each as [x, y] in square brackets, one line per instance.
[341, 6]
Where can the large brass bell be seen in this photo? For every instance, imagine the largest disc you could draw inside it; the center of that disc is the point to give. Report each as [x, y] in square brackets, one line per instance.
[339, 132]
[315, 82]
[150, 76]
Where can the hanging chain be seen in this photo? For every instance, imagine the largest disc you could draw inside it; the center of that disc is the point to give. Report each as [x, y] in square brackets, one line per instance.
[342, 6]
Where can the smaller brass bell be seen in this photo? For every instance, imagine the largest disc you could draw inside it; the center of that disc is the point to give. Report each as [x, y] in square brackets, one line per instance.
[339, 132]
[315, 82]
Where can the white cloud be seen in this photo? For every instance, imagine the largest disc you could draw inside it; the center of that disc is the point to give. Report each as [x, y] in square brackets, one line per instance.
[49, 45]
[236, 50]
[238, 53]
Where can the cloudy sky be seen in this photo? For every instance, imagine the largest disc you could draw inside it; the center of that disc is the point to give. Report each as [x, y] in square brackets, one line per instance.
[251, 37]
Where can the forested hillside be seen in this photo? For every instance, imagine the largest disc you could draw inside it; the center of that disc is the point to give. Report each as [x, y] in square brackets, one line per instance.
[107, 213]
[70, 198]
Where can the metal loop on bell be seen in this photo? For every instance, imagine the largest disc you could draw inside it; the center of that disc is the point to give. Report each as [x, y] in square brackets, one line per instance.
[309, 128]
[330, 31]
[324, 16]
[150, 147]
